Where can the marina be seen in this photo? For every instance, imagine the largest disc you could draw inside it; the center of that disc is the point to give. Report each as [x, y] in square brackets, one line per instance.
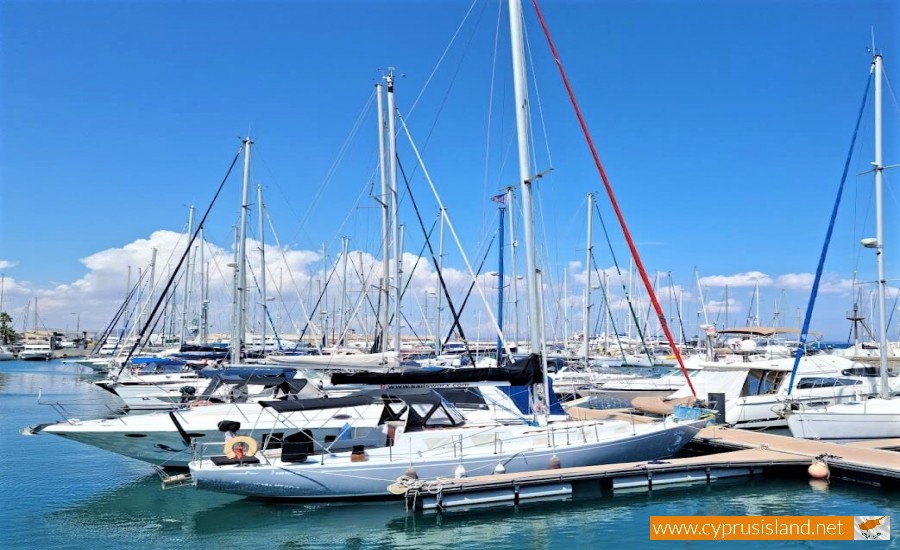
[74, 496]
[217, 382]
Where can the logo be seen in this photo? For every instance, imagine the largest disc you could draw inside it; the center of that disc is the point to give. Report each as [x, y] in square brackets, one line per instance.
[871, 528]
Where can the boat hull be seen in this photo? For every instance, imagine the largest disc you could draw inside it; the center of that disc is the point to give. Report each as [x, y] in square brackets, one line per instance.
[856, 421]
[337, 477]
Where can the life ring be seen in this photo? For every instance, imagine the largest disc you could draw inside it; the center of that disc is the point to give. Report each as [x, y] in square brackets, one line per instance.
[242, 446]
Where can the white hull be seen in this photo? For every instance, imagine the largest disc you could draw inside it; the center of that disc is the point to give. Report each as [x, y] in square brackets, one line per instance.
[154, 438]
[517, 448]
[858, 420]
[768, 411]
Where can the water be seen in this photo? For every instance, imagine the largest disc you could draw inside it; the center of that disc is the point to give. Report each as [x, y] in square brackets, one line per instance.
[60, 494]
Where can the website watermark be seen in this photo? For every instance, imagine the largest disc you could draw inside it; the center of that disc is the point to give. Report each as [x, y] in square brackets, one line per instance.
[770, 527]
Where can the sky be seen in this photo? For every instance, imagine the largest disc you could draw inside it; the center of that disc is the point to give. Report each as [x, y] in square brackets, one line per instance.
[723, 126]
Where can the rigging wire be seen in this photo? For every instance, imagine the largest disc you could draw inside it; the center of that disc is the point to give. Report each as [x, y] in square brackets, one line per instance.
[804, 332]
[631, 308]
[187, 251]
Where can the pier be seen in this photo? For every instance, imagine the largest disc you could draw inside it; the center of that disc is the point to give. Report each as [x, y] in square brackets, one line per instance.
[728, 453]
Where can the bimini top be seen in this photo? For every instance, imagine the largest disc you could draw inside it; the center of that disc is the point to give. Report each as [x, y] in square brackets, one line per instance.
[422, 409]
[362, 398]
[764, 331]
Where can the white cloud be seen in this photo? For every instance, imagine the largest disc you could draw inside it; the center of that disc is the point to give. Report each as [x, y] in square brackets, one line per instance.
[294, 278]
[795, 281]
[748, 279]
[6, 264]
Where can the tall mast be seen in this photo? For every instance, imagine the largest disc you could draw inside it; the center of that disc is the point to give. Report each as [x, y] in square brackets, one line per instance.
[513, 245]
[502, 207]
[151, 286]
[879, 233]
[262, 265]
[345, 248]
[566, 309]
[187, 284]
[439, 339]
[385, 222]
[395, 207]
[587, 286]
[240, 295]
[757, 302]
[204, 293]
[525, 175]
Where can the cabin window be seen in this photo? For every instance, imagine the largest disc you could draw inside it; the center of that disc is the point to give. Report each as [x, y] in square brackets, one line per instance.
[762, 382]
[868, 371]
[466, 398]
[439, 418]
[445, 415]
[822, 382]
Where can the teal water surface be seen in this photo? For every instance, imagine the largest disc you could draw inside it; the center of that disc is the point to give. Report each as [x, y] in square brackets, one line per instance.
[61, 494]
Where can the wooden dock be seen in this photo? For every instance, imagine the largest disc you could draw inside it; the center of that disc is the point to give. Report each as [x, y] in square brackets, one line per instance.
[735, 453]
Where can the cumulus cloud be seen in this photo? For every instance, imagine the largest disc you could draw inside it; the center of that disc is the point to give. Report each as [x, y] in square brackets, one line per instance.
[6, 264]
[296, 282]
[749, 279]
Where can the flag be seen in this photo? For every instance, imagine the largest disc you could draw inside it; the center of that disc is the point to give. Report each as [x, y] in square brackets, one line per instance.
[499, 199]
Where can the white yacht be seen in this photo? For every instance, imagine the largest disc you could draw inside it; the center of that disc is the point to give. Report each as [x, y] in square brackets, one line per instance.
[36, 352]
[420, 434]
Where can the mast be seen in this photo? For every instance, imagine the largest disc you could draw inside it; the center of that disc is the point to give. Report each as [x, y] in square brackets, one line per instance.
[525, 177]
[345, 247]
[395, 207]
[262, 262]
[587, 286]
[513, 245]
[502, 207]
[323, 298]
[610, 322]
[757, 302]
[151, 286]
[518, 60]
[240, 279]
[204, 293]
[187, 285]
[879, 233]
[439, 339]
[385, 221]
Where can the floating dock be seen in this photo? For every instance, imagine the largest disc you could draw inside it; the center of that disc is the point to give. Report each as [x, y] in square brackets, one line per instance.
[736, 453]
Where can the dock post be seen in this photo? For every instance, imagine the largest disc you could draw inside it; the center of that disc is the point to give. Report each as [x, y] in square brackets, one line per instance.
[717, 402]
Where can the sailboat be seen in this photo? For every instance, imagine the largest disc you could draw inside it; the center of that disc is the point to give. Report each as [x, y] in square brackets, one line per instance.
[348, 358]
[876, 417]
[425, 436]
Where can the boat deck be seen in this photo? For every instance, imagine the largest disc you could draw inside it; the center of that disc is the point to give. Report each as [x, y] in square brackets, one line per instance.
[735, 453]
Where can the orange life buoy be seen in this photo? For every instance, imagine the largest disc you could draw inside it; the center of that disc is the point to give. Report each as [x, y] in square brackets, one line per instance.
[242, 446]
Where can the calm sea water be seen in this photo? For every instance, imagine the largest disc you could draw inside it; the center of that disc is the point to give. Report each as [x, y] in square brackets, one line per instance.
[60, 494]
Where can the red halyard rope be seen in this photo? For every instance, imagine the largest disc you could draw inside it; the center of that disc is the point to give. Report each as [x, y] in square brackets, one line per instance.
[612, 198]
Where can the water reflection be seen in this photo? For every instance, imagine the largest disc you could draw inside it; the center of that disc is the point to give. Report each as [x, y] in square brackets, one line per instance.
[142, 505]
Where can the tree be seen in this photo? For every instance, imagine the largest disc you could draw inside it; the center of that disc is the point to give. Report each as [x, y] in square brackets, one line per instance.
[7, 334]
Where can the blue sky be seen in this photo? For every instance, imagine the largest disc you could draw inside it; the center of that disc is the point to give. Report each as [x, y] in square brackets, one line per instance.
[723, 126]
